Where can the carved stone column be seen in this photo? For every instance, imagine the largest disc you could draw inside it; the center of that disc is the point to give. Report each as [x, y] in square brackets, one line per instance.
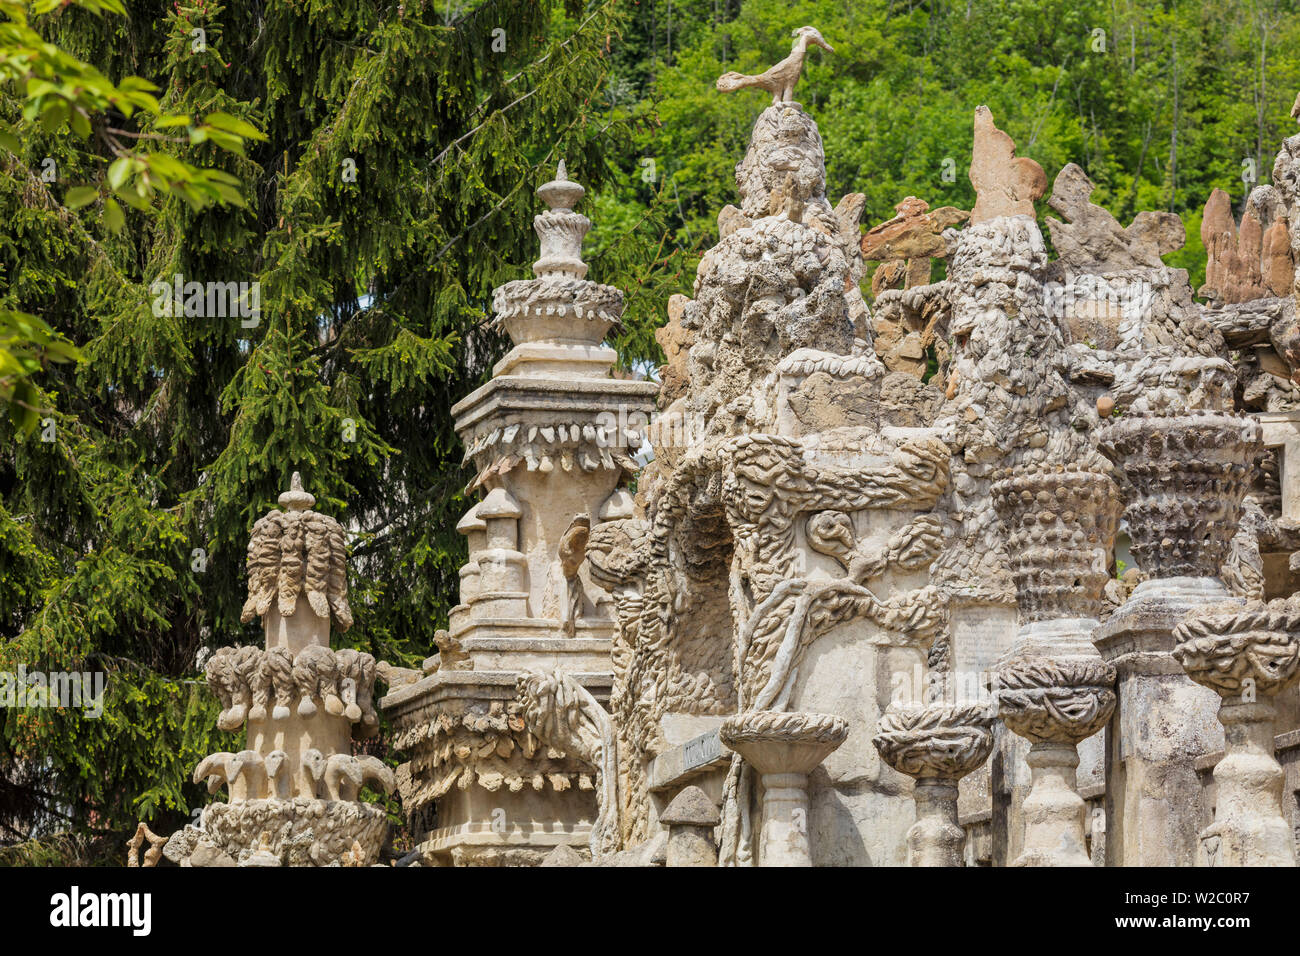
[784, 748]
[1187, 476]
[936, 744]
[1054, 689]
[1246, 657]
[1054, 703]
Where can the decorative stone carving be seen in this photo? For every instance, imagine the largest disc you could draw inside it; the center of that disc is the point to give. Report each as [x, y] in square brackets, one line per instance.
[1090, 239]
[1250, 262]
[937, 744]
[509, 762]
[298, 552]
[784, 748]
[293, 792]
[1005, 184]
[1054, 703]
[778, 80]
[1247, 657]
[565, 716]
[151, 855]
[1189, 474]
[1054, 689]
[1060, 522]
[907, 327]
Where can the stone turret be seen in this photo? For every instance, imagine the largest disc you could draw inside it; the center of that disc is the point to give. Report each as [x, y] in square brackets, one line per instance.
[551, 437]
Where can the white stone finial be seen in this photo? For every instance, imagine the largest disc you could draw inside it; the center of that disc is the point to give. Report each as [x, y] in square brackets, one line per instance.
[560, 229]
[296, 499]
[561, 192]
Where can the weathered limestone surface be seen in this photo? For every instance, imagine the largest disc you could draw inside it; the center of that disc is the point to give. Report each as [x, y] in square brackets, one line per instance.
[1247, 657]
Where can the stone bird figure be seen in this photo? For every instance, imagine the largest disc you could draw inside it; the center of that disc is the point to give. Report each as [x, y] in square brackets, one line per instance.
[573, 551]
[778, 80]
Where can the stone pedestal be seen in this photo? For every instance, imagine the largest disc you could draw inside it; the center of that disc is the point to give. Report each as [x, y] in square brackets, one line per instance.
[1162, 723]
[784, 748]
[1247, 657]
[937, 745]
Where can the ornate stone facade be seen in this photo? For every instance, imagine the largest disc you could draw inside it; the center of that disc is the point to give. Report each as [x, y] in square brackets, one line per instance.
[959, 577]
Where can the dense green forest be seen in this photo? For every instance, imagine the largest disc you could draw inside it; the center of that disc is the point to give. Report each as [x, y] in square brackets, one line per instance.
[371, 165]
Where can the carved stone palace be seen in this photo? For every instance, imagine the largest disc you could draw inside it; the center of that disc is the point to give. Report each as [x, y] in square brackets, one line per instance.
[995, 568]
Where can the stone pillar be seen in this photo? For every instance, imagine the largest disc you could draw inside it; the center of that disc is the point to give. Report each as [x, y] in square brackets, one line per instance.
[937, 744]
[1053, 687]
[1247, 657]
[1054, 703]
[784, 748]
[1187, 476]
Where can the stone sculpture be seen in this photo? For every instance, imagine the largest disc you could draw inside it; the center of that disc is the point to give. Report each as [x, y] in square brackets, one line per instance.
[856, 522]
[779, 80]
[293, 793]
[509, 739]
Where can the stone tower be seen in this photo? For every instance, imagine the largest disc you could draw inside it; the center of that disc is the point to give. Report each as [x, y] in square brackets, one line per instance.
[552, 438]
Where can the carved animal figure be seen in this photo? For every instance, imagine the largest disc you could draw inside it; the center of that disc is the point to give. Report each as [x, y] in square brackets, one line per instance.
[315, 671]
[374, 769]
[277, 773]
[359, 667]
[778, 80]
[277, 667]
[223, 679]
[342, 777]
[313, 770]
[216, 769]
[247, 776]
[573, 551]
[246, 661]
